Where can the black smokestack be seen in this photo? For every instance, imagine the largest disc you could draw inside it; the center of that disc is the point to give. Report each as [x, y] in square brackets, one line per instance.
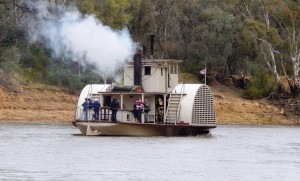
[138, 68]
[151, 45]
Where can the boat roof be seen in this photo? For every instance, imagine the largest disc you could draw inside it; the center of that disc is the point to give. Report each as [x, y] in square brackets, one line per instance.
[162, 60]
[156, 61]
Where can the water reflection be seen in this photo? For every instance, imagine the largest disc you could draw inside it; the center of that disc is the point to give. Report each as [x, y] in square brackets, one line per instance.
[57, 152]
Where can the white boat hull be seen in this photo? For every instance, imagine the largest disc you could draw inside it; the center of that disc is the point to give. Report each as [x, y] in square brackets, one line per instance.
[136, 129]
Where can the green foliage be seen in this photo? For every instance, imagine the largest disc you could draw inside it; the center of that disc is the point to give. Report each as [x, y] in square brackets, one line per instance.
[10, 28]
[90, 7]
[263, 31]
[9, 59]
[213, 32]
[224, 34]
[191, 68]
[34, 62]
[115, 13]
[9, 54]
[62, 76]
[111, 12]
[261, 85]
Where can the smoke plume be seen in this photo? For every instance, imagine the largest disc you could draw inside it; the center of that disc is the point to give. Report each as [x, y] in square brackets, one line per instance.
[79, 37]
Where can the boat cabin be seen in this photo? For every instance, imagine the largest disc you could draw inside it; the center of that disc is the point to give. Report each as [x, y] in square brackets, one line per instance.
[157, 75]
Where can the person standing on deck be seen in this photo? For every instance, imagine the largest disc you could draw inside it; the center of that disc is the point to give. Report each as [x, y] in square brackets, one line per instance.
[160, 110]
[90, 107]
[114, 106]
[134, 111]
[139, 108]
[147, 109]
[97, 107]
[85, 106]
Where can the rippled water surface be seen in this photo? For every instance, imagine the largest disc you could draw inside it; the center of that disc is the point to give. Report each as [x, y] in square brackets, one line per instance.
[58, 152]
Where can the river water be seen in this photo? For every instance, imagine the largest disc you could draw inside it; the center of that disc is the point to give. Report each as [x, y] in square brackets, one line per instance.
[58, 152]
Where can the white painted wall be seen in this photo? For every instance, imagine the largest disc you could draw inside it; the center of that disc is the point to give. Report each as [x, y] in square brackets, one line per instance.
[156, 82]
[128, 76]
[173, 82]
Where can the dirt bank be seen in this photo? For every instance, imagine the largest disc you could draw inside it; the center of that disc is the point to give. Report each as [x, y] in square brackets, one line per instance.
[47, 105]
[37, 105]
[231, 108]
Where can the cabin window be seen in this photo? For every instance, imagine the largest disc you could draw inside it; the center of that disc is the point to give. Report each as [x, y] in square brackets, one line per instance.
[147, 70]
[162, 72]
[128, 117]
[173, 69]
[169, 81]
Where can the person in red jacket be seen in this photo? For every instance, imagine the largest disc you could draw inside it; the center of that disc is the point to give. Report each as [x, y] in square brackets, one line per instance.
[139, 109]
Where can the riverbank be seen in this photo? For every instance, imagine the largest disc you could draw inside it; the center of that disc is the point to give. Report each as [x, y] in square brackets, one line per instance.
[37, 105]
[50, 105]
[232, 108]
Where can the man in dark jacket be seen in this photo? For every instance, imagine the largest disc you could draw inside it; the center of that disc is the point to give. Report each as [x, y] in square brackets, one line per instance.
[85, 106]
[114, 106]
[97, 107]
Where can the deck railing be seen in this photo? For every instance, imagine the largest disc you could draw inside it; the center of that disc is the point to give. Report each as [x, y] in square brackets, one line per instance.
[123, 115]
[104, 114]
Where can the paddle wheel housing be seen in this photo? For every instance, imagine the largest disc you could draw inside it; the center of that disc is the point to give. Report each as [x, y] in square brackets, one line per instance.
[197, 105]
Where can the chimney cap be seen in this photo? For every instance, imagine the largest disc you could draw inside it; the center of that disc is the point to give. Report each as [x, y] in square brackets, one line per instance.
[138, 52]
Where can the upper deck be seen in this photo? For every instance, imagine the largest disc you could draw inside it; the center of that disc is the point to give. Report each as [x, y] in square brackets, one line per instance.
[158, 75]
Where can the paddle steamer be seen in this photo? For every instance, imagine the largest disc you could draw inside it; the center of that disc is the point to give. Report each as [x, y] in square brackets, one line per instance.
[177, 109]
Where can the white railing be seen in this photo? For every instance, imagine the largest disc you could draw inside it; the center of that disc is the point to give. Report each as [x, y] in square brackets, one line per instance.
[166, 116]
[79, 114]
[179, 105]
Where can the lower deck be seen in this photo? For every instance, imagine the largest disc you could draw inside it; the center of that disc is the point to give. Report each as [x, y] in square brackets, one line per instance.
[107, 128]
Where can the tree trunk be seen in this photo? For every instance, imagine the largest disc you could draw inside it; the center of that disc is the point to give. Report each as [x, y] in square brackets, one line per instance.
[269, 57]
[294, 88]
[281, 88]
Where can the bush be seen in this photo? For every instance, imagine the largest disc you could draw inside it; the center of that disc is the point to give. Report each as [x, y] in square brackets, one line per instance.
[61, 76]
[9, 58]
[34, 62]
[262, 85]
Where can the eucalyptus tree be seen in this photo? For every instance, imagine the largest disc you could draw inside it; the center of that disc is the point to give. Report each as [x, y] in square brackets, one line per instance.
[143, 24]
[166, 20]
[11, 16]
[275, 26]
[257, 23]
[12, 33]
[114, 13]
[192, 30]
[156, 17]
[287, 20]
[207, 31]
